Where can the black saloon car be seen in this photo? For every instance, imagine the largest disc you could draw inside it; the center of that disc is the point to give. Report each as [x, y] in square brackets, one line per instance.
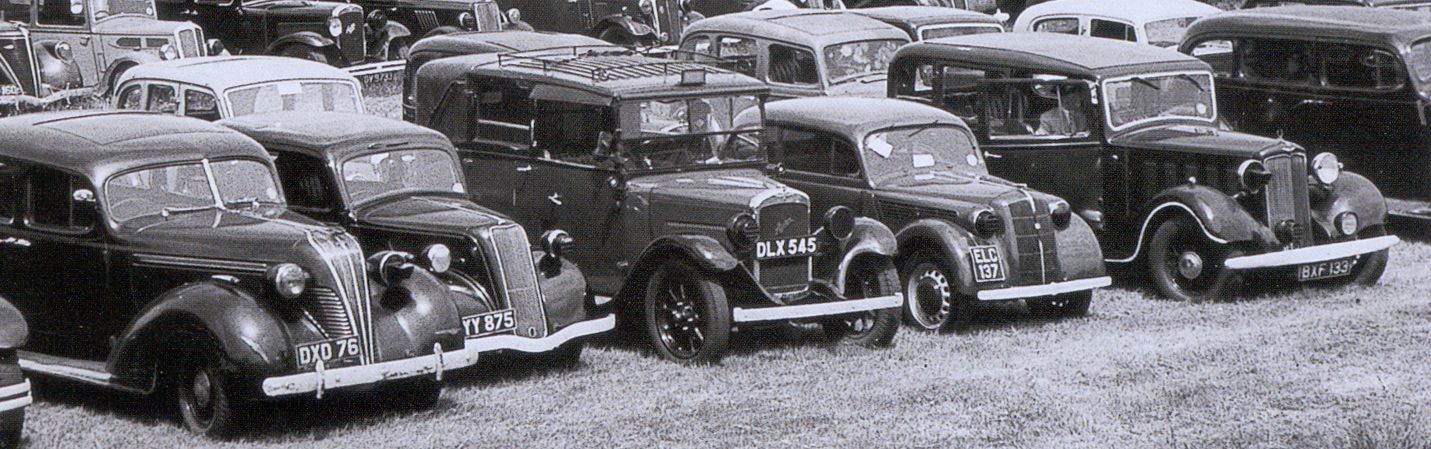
[1352, 81]
[324, 31]
[154, 251]
[672, 215]
[1127, 133]
[14, 388]
[964, 236]
[398, 186]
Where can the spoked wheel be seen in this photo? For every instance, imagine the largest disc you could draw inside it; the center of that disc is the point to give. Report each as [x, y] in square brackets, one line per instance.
[1065, 305]
[206, 403]
[871, 329]
[931, 294]
[1187, 266]
[687, 317]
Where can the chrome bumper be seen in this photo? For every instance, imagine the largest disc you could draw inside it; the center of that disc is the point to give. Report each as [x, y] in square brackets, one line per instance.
[544, 344]
[15, 396]
[1312, 254]
[740, 315]
[321, 379]
[1034, 291]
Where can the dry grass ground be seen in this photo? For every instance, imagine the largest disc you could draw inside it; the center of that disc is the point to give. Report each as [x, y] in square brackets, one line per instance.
[1314, 368]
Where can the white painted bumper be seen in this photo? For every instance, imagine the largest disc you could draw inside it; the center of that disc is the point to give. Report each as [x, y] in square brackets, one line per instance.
[1312, 254]
[15, 396]
[1035, 291]
[321, 379]
[821, 309]
[544, 344]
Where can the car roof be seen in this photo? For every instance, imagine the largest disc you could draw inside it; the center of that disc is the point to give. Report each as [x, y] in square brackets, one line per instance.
[334, 135]
[495, 41]
[620, 74]
[1389, 26]
[99, 144]
[855, 117]
[816, 28]
[1137, 11]
[7, 27]
[919, 16]
[1083, 56]
[223, 72]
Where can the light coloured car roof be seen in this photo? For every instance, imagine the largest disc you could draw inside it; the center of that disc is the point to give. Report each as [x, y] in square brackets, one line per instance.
[1137, 11]
[815, 28]
[223, 72]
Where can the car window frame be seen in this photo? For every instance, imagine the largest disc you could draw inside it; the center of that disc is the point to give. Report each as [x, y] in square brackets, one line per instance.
[27, 216]
[834, 138]
[1137, 33]
[814, 56]
[1082, 29]
[1096, 123]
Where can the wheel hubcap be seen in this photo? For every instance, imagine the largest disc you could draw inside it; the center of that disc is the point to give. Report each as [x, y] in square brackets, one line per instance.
[680, 322]
[203, 389]
[929, 297]
[1190, 265]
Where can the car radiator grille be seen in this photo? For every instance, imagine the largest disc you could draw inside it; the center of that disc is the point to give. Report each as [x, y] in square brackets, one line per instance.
[353, 44]
[348, 275]
[1030, 233]
[784, 220]
[326, 309]
[517, 277]
[1286, 192]
[189, 44]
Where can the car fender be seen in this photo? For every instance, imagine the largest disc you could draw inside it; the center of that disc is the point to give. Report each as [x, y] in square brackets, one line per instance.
[253, 339]
[631, 26]
[705, 252]
[16, 331]
[308, 38]
[947, 238]
[563, 287]
[1079, 254]
[869, 238]
[56, 72]
[1351, 193]
[1219, 217]
[395, 30]
[124, 63]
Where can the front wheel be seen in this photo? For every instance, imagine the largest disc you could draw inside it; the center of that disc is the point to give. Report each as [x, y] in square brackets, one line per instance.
[1372, 266]
[1062, 306]
[931, 293]
[206, 401]
[875, 328]
[687, 317]
[1187, 266]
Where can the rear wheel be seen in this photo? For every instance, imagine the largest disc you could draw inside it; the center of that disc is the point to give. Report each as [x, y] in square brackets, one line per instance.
[687, 317]
[206, 401]
[1065, 305]
[931, 293]
[12, 427]
[871, 329]
[304, 52]
[1187, 266]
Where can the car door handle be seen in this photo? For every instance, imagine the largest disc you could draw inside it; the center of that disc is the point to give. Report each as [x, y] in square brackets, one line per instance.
[555, 198]
[12, 241]
[524, 168]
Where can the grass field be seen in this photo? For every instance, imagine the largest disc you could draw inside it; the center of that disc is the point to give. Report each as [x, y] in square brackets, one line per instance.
[1315, 368]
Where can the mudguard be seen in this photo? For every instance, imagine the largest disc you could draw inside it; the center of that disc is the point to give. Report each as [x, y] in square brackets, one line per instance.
[412, 314]
[56, 72]
[309, 38]
[14, 331]
[1222, 220]
[251, 336]
[869, 237]
[1079, 254]
[705, 252]
[632, 27]
[952, 240]
[1351, 193]
[395, 30]
[563, 288]
[123, 63]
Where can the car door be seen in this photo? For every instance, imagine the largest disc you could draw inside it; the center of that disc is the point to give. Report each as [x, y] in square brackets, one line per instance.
[1367, 113]
[63, 21]
[1270, 91]
[492, 131]
[1045, 134]
[825, 166]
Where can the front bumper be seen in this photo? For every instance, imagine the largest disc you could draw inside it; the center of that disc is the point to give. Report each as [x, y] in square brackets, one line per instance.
[1035, 291]
[778, 313]
[15, 396]
[1319, 253]
[544, 344]
[321, 379]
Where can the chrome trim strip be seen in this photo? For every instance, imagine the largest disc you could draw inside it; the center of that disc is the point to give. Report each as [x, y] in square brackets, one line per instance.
[1146, 221]
[544, 344]
[19, 389]
[350, 376]
[353, 293]
[1319, 253]
[165, 261]
[742, 315]
[1034, 291]
[600, 300]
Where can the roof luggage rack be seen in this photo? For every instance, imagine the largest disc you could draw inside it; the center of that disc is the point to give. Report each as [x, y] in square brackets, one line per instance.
[599, 66]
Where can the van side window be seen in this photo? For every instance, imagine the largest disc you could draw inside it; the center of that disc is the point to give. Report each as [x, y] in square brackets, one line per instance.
[1064, 25]
[792, 65]
[57, 12]
[1279, 61]
[569, 132]
[1111, 30]
[53, 203]
[1358, 67]
[504, 111]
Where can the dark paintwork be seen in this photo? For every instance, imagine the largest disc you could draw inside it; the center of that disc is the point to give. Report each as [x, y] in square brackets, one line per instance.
[1371, 3]
[479, 42]
[19, 59]
[103, 48]
[264, 26]
[1054, 53]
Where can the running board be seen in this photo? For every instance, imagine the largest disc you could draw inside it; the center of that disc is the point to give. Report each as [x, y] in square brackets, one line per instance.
[85, 371]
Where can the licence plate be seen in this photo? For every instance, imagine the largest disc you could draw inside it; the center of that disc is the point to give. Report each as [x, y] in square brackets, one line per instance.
[988, 264]
[782, 248]
[489, 323]
[335, 352]
[1325, 269]
[10, 90]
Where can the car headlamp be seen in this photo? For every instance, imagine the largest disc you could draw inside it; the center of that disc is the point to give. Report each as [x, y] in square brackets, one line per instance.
[437, 257]
[1326, 168]
[742, 231]
[556, 241]
[1347, 223]
[987, 223]
[335, 26]
[1061, 213]
[1252, 176]
[288, 279]
[840, 221]
[167, 52]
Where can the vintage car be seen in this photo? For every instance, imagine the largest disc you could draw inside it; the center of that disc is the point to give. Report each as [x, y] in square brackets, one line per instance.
[1408, 5]
[20, 85]
[89, 43]
[672, 216]
[780, 48]
[624, 22]
[965, 237]
[1155, 22]
[1352, 81]
[156, 254]
[329, 32]
[479, 42]
[14, 388]
[983, 6]
[1129, 135]
[218, 87]
[399, 186]
[933, 22]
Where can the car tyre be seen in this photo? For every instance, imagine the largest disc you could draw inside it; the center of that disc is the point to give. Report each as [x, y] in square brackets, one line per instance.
[875, 328]
[1373, 266]
[12, 427]
[1068, 305]
[686, 314]
[1185, 265]
[206, 400]
[931, 293]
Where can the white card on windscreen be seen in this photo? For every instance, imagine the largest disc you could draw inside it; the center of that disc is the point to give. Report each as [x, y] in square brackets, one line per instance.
[923, 160]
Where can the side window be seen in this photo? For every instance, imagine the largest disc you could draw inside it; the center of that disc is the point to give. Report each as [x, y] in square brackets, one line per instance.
[844, 161]
[129, 99]
[569, 132]
[15, 10]
[698, 44]
[305, 182]
[961, 92]
[1038, 110]
[818, 152]
[60, 202]
[162, 98]
[12, 192]
[1279, 61]
[740, 52]
[200, 105]
[451, 115]
[1065, 25]
[504, 112]
[1111, 30]
[1358, 67]
[1218, 54]
[61, 12]
[792, 65]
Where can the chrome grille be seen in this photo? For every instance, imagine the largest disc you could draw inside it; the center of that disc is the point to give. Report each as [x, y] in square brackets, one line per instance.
[189, 44]
[326, 309]
[349, 277]
[1286, 192]
[353, 44]
[517, 279]
[784, 220]
[426, 19]
[1034, 248]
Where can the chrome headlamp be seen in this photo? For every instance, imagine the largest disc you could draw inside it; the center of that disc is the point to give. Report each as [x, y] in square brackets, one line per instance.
[556, 241]
[1347, 223]
[987, 223]
[1252, 175]
[289, 280]
[335, 26]
[1326, 168]
[167, 52]
[742, 231]
[437, 257]
[1061, 213]
[840, 222]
